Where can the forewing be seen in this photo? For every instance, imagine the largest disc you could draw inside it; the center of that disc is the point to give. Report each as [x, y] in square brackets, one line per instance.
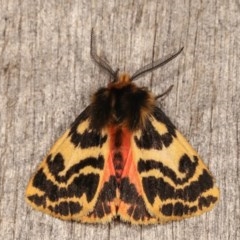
[71, 181]
[175, 183]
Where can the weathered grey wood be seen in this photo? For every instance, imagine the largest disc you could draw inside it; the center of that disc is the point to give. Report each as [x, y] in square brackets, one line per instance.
[46, 77]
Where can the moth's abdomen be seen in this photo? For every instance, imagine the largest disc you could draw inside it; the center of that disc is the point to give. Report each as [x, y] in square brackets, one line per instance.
[120, 147]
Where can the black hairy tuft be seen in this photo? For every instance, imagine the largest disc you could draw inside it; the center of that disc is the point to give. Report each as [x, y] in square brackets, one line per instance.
[131, 104]
[100, 109]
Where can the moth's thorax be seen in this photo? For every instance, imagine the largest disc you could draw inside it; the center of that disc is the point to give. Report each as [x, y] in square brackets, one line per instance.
[121, 103]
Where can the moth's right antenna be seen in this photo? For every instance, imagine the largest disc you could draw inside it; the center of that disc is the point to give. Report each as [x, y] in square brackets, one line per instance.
[100, 61]
[156, 64]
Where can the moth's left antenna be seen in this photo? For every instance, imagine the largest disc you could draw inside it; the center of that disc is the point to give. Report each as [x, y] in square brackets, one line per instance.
[100, 61]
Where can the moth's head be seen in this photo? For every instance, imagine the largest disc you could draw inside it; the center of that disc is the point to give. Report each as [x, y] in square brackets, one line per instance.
[120, 81]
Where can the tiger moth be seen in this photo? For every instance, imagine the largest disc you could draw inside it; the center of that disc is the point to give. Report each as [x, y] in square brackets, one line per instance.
[122, 158]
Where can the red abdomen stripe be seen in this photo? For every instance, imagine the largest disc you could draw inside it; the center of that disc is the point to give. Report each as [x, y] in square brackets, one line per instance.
[119, 149]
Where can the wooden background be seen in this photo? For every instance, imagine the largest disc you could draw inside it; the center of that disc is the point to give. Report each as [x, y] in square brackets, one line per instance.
[47, 76]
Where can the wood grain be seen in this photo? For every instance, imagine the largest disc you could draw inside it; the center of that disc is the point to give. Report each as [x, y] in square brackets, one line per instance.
[47, 76]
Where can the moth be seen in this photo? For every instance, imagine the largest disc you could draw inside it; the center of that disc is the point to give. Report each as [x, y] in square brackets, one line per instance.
[122, 158]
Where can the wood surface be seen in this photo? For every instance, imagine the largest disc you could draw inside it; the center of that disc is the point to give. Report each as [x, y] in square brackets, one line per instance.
[47, 76]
